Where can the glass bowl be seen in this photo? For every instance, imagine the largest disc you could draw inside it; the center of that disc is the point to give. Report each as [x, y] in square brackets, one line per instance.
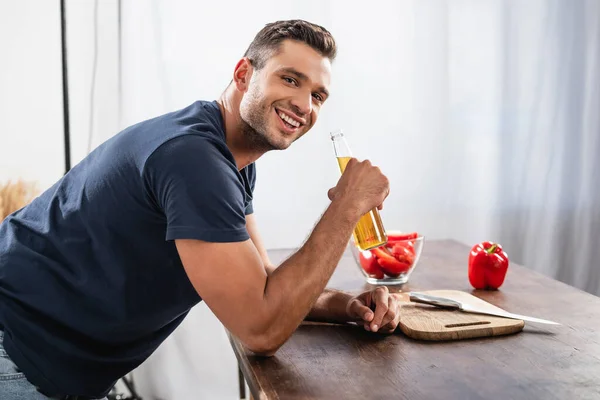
[390, 264]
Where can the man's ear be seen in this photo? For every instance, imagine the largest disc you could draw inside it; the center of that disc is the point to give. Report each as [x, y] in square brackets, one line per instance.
[242, 74]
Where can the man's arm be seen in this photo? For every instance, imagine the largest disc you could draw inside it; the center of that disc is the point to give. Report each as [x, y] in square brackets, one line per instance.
[252, 229]
[331, 306]
[264, 310]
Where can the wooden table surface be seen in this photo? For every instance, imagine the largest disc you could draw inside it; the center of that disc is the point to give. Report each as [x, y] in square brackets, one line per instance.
[324, 361]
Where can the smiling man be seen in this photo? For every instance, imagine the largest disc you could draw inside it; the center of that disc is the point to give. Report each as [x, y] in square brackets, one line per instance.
[97, 271]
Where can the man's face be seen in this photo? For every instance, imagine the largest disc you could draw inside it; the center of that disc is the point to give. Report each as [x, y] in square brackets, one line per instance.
[283, 99]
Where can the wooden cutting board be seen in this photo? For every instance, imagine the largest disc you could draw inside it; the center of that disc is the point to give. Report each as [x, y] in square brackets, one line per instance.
[425, 322]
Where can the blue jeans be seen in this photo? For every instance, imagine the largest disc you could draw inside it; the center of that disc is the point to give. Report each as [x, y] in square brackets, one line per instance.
[13, 383]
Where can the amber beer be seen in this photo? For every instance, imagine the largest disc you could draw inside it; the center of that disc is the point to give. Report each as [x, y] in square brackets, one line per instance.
[369, 232]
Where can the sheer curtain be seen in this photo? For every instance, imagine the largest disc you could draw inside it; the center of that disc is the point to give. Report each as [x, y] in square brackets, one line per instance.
[549, 208]
[484, 115]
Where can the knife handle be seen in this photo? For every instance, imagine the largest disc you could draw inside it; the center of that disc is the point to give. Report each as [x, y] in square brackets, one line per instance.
[434, 300]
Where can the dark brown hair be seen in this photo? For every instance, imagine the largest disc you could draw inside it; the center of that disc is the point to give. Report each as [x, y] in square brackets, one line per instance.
[266, 42]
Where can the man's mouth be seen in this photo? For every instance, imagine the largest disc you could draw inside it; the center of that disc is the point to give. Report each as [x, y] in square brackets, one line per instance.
[288, 122]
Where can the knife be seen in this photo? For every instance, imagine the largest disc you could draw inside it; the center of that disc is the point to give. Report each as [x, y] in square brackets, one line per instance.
[457, 305]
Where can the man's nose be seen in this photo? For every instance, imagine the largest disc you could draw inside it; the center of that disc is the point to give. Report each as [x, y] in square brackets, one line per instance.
[302, 104]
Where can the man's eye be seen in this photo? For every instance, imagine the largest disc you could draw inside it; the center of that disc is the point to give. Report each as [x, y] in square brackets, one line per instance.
[290, 80]
[318, 97]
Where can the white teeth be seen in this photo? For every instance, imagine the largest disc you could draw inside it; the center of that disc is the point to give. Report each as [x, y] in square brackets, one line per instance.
[289, 120]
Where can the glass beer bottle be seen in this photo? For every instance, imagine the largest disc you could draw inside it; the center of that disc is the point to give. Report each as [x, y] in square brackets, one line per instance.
[369, 232]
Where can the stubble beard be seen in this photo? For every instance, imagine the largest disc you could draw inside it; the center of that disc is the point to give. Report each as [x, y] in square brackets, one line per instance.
[254, 125]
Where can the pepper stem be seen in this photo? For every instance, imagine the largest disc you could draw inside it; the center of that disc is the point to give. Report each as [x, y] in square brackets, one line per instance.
[491, 249]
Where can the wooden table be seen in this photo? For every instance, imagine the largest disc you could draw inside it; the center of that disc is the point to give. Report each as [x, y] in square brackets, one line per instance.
[345, 362]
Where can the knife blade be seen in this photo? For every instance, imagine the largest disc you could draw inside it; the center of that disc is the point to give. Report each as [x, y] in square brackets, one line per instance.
[454, 304]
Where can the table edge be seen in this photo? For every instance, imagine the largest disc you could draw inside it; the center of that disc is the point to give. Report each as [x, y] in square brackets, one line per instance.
[258, 393]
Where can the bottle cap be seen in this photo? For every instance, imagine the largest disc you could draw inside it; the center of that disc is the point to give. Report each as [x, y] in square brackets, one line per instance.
[336, 133]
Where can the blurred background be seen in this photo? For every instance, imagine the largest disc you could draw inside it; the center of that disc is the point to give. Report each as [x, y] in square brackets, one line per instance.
[484, 114]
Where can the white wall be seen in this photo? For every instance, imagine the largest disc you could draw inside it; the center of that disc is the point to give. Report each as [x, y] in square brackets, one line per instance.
[31, 100]
[31, 137]
[92, 34]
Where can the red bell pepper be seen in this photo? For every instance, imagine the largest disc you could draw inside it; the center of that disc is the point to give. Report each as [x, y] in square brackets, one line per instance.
[396, 236]
[404, 252]
[488, 264]
[393, 267]
[397, 241]
[369, 264]
[389, 264]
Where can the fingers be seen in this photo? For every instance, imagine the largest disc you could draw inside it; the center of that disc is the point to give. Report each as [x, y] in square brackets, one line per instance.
[390, 314]
[380, 207]
[380, 298]
[394, 306]
[387, 188]
[376, 310]
[331, 193]
[351, 162]
[391, 318]
[360, 311]
[364, 183]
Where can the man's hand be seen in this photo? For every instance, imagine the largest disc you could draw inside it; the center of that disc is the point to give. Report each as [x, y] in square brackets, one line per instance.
[366, 197]
[386, 316]
[377, 310]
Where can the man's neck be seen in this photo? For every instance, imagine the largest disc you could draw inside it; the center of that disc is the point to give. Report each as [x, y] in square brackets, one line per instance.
[229, 103]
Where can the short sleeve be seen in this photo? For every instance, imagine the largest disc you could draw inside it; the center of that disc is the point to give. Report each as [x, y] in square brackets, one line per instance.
[250, 172]
[249, 209]
[199, 189]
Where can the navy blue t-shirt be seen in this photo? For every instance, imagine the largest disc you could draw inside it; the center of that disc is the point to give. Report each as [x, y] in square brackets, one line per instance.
[90, 279]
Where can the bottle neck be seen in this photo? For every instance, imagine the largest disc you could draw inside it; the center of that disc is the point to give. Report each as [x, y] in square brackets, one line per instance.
[340, 146]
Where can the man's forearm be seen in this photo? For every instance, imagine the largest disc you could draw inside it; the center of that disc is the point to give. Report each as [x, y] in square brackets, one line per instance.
[331, 306]
[293, 288]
